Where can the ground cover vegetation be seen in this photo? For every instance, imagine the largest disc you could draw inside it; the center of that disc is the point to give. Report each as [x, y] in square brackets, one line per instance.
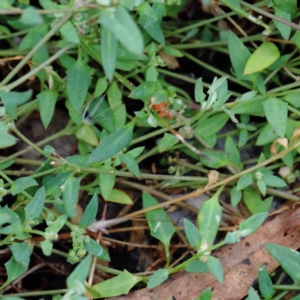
[120, 111]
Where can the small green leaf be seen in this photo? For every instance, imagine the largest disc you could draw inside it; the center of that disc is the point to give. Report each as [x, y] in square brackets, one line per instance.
[96, 250]
[90, 213]
[34, 208]
[196, 266]
[78, 82]
[289, 259]
[123, 27]
[80, 273]
[144, 91]
[284, 29]
[265, 55]
[266, 136]
[30, 16]
[6, 140]
[232, 151]
[161, 227]
[47, 247]
[274, 181]
[214, 159]
[109, 46]
[70, 195]
[252, 294]
[168, 141]
[238, 53]
[235, 196]
[265, 283]
[244, 181]
[69, 33]
[118, 196]
[209, 218]
[160, 276]
[276, 113]
[289, 6]
[199, 94]
[206, 295]
[131, 164]
[252, 199]
[86, 134]
[192, 233]
[116, 286]
[215, 267]
[21, 184]
[248, 226]
[47, 101]
[106, 182]
[57, 225]
[112, 144]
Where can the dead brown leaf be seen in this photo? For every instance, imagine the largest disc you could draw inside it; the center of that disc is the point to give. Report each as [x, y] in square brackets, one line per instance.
[240, 263]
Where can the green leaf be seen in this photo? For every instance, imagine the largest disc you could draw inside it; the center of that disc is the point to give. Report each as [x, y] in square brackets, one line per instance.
[12, 100]
[215, 267]
[266, 136]
[131, 164]
[211, 125]
[47, 247]
[232, 151]
[161, 227]
[248, 226]
[206, 295]
[86, 134]
[70, 195]
[96, 250]
[90, 213]
[274, 181]
[19, 262]
[214, 159]
[192, 233]
[6, 140]
[101, 87]
[106, 182]
[116, 286]
[199, 94]
[78, 82]
[109, 46]
[47, 101]
[57, 225]
[30, 16]
[34, 208]
[289, 259]
[112, 144]
[114, 96]
[168, 141]
[160, 276]
[21, 184]
[235, 196]
[250, 107]
[252, 294]
[238, 53]
[80, 273]
[144, 91]
[118, 196]
[265, 55]
[276, 113]
[209, 218]
[196, 266]
[289, 6]
[284, 29]
[69, 33]
[123, 27]
[244, 181]
[252, 199]
[265, 283]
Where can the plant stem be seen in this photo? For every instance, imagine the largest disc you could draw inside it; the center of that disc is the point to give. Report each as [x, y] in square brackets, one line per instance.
[23, 62]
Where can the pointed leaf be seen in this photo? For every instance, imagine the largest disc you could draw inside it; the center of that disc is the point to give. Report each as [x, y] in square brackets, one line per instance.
[265, 55]
[131, 164]
[112, 144]
[265, 283]
[96, 249]
[90, 213]
[47, 101]
[109, 46]
[78, 82]
[118, 196]
[276, 113]
[124, 28]
[21, 184]
[215, 267]
[106, 182]
[160, 276]
[192, 233]
[34, 208]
